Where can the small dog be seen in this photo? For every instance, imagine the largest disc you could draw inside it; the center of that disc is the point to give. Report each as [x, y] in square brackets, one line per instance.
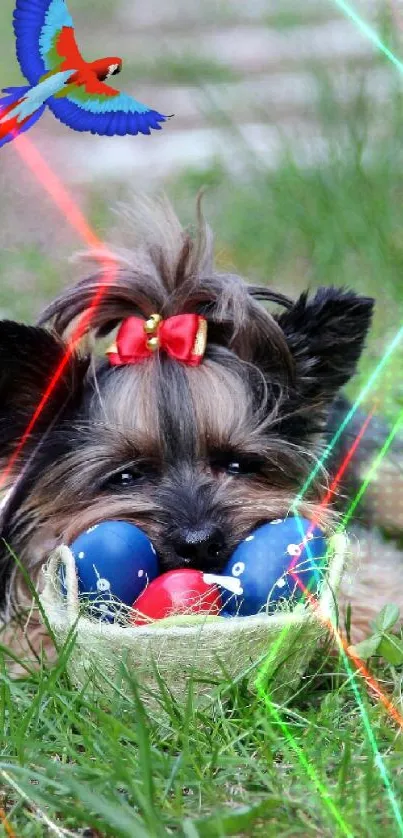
[195, 450]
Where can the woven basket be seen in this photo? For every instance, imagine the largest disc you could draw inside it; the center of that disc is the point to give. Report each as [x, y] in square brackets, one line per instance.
[274, 649]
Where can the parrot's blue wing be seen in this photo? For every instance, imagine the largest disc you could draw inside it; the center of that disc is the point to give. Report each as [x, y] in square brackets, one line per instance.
[106, 113]
[45, 38]
[37, 26]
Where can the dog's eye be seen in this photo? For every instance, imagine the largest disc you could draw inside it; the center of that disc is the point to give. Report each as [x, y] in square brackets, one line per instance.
[244, 467]
[126, 478]
[123, 479]
[237, 466]
[234, 468]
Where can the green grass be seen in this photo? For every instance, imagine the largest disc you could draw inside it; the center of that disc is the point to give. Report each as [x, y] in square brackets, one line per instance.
[183, 69]
[111, 766]
[290, 18]
[44, 280]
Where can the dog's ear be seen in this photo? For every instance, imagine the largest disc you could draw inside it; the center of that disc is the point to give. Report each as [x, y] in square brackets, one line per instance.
[38, 381]
[326, 336]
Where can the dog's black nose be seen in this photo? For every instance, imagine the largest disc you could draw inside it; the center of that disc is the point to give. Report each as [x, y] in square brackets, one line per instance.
[201, 546]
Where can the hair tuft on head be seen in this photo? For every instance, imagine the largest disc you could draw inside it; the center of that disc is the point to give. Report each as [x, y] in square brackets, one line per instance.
[169, 271]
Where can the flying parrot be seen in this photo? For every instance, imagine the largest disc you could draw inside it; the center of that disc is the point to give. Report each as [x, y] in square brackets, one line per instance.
[75, 90]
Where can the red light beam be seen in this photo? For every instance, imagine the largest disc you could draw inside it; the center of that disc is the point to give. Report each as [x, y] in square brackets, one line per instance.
[336, 480]
[55, 189]
[67, 206]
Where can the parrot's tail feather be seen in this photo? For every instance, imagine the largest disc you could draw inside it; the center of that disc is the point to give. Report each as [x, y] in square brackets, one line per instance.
[13, 94]
[11, 127]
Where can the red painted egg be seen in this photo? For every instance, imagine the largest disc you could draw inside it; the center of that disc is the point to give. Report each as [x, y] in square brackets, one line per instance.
[176, 592]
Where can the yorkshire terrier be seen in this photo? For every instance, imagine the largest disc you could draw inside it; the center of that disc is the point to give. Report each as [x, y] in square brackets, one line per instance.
[196, 429]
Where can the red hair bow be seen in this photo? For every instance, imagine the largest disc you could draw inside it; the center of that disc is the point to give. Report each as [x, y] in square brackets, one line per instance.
[183, 338]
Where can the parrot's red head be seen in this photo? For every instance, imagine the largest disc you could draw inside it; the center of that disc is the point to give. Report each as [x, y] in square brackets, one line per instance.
[104, 68]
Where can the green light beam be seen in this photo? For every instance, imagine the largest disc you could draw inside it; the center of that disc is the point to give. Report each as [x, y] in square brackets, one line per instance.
[369, 33]
[364, 392]
[321, 788]
[378, 459]
[352, 676]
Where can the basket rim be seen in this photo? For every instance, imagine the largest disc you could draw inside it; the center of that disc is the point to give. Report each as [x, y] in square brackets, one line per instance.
[63, 612]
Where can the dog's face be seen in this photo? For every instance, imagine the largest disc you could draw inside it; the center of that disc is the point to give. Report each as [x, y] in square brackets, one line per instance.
[196, 457]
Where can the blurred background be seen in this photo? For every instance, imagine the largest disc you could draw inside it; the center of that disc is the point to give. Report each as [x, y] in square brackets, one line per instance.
[284, 110]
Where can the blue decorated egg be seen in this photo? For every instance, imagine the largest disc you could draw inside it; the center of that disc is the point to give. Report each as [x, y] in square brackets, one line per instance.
[263, 568]
[115, 560]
